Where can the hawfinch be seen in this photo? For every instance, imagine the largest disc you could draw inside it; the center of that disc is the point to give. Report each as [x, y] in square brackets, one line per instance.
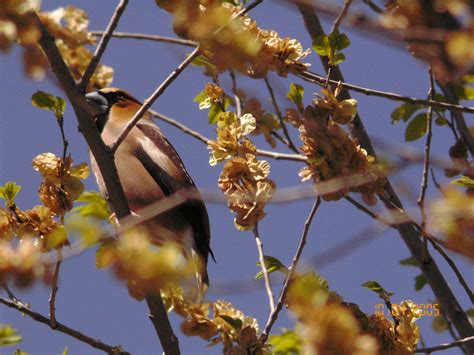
[149, 169]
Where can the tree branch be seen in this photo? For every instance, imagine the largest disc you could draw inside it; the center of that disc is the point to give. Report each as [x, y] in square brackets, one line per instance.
[162, 325]
[266, 277]
[141, 36]
[148, 102]
[99, 51]
[292, 270]
[95, 343]
[407, 230]
[321, 81]
[341, 15]
[445, 346]
[85, 113]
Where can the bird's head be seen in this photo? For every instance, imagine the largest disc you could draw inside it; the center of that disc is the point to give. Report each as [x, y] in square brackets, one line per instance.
[113, 102]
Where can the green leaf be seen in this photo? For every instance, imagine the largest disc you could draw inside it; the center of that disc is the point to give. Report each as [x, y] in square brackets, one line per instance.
[464, 181]
[339, 41]
[8, 192]
[286, 343]
[44, 100]
[410, 261]
[338, 58]
[200, 97]
[379, 290]
[417, 127]
[404, 112]
[233, 322]
[203, 62]
[470, 312]
[20, 352]
[441, 121]
[65, 351]
[296, 94]
[272, 264]
[94, 206]
[47, 101]
[214, 113]
[468, 93]
[57, 238]
[321, 45]
[420, 282]
[8, 335]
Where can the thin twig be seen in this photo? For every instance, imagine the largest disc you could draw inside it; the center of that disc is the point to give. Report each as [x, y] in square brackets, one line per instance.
[321, 80]
[292, 270]
[99, 51]
[95, 343]
[266, 277]
[148, 102]
[373, 6]
[426, 166]
[445, 346]
[54, 291]
[142, 36]
[205, 140]
[291, 145]
[238, 102]
[342, 14]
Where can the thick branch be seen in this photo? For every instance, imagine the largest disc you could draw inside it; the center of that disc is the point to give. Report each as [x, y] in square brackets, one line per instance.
[64, 329]
[85, 114]
[407, 231]
[102, 45]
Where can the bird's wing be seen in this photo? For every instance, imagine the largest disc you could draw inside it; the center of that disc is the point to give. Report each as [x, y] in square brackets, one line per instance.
[172, 179]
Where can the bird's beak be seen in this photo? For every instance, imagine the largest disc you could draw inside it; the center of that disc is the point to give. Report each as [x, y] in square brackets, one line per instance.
[99, 101]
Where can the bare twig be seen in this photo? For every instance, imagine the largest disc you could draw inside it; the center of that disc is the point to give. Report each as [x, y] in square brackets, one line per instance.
[238, 102]
[408, 232]
[445, 346]
[54, 291]
[292, 270]
[95, 343]
[321, 80]
[290, 144]
[426, 166]
[142, 36]
[99, 51]
[205, 140]
[148, 102]
[373, 6]
[266, 277]
[343, 13]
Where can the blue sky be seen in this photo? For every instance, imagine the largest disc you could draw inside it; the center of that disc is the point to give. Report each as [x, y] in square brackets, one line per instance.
[95, 302]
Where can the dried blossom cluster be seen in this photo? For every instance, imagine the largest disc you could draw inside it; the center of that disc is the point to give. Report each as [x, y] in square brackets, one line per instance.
[244, 179]
[267, 123]
[17, 24]
[25, 234]
[336, 162]
[234, 42]
[440, 32]
[216, 322]
[69, 27]
[453, 216]
[330, 326]
[146, 267]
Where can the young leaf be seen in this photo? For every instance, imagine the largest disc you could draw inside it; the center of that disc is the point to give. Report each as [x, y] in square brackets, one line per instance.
[296, 95]
[47, 101]
[94, 206]
[410, 261]
[417, 127]
[464, 181]
[404, 112]
[420, 282]
[272, 264]
[8, 335]
[379, 290]
[286, 343]
[439, 324]
[321, 45]
[8, 192]
[105, 256]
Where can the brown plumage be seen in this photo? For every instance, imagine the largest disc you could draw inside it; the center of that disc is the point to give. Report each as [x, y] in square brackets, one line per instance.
[149, 169]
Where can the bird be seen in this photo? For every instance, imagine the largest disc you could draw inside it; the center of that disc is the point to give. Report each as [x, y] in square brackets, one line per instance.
[150, 169]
